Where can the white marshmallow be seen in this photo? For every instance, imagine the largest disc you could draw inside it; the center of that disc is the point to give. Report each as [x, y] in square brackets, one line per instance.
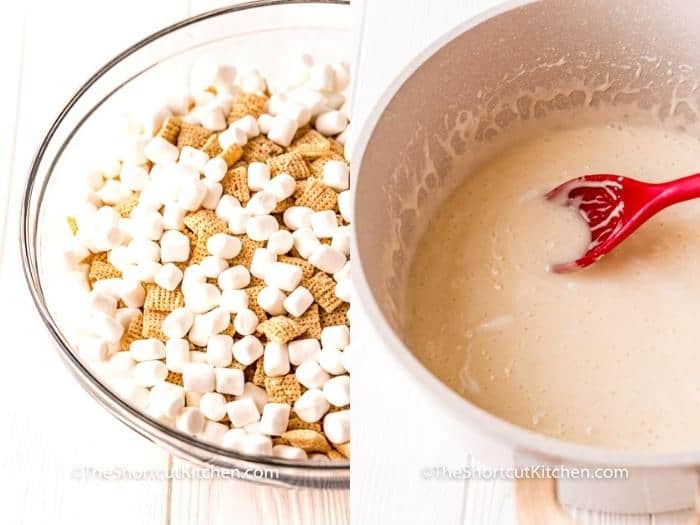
[168, 276]
[345, 205]
[226, 204]
[107, 328]
[177, 354]
[234, 278]
[337, 391]
[324, 223]
[245, 322]
[200, 298]
[264, 122]
[177, 323]
[238, 220]
[191, 193]
[276, 359]
[194, 158]
[271, 300]
[311, 406]
[343, 290]
[282, 186]
[295, 111]
[132, 393]
[174, 247]
[219, 350]
[306, 242]
[100, 302]
[165, 401]
[321, 78]
[274, 419]
[213, 432]
[346, 359]
[298, 301]
[341, 239]
[198, 377]
[213, 322]
[336, 175]
[327, 259]
[242, 412]
[190, 421]
[143, 250]
[213, 406]
[147, 349]
[94, 179]
[283, 276]
[335, 337]
[289, 452]
[145, 271]
[146, 224]
[126, 315]
[215, 169]
[232, 136]
[336, 426]
[198, 357]
[303, 350]
[310, 98]
[331, 122]
[247, 350]
[311, 375]
[247, 124]
[213, 266]
[173, 216]
[148, 373]
[251, 81]
[224, 246]
[206, 72]
[258, 175]
[132, 293]
[160, 151]
[229, 381]
[113, 192]
[261, 227]
[331, 360]
[214, 192]
[256, 393]
[233, 439]
[280, 242]
[262, 259]
[212, 117]
[234, 301]
[335, 101]
[342, 75]
[134, 177]
[296, 217]
[261, 203]
[256, 445]
[93, 348]
[282, 130]
[192, 275]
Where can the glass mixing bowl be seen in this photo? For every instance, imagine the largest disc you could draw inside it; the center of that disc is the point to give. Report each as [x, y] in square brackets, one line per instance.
[267, 34]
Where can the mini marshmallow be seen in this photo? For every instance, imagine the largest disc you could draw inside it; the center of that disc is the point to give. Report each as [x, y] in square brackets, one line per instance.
[256, 393]
[327, 259]
[247, 350]
[258, 175]
[231, 136]
[132, 293]
[113, 192]
[335, 101]
[280, 242]
[311, 375]
[229, 381]
[134, 177]
[174, 247]
[337, 391]
[331, 360]
[107, 328]
[168, 277]
[177, 323]
[146, 224]
[201, 298]
[262, 259]
[346, 359]
[191, 193]
[276, 359]
[148, 373]
[213, 266]
[198, 357]
[281, 186]
[335, 337]
[226, 204]
[107, 286]
[233, 439]
[190, 421]
[214, 321]
[234, 278]
[303, 350]
[336, 175]
[256, 445]
[165, 401]
[295, 111]
[213, 432]
[271, 300]
[261, 227]
[249, 125]
[341, 240]
[336, 426]
[160, 151]
[100, 302]
[262, 203]
[194, 158]
[147, 349]
[311, 406]
[212, 117]
[93, 348]
[274, 419]
[143, 250]
[213, 406]
[94, 179]
[177, 354]
[342, 75]
[215, 169]
[298, 301]
[283, 276]
[206, 72]
[251, 81]
[289, 452]
[296, 217]
[126, 315]
[238, 220]
[343, 290]
[145, 271]
[310, 98]
[192, 399]
[233, 301]
[192, 275]
[219, 350]
[324, 223]
[224, 246]
[243, 412]
[306, 242]
[132, 393]
[214, 192]
[198, 377]
[331, 122]
[345, 205]
[282, 130]
[264, 122]
[245, 322]
[321, 78]
[173, 216]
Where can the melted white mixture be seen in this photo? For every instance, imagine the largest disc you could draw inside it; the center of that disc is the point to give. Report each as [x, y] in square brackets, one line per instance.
[607, 356]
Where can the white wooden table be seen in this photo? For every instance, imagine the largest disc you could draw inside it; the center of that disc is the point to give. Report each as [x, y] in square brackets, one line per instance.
[50, 427]
[388, 455]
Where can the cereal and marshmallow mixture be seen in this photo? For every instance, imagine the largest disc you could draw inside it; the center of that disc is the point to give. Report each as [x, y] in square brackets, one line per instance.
[216, 251]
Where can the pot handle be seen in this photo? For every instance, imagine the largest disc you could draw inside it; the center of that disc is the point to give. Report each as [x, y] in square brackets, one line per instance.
[536, 503]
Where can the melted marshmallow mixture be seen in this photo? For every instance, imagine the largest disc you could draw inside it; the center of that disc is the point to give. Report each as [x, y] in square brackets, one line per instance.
[607, 356]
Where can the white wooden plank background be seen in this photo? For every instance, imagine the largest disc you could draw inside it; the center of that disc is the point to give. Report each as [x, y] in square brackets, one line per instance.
[50, 426]
[389, 449]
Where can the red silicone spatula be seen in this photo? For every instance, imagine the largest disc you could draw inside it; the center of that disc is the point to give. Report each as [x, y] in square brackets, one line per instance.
[614, 207]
